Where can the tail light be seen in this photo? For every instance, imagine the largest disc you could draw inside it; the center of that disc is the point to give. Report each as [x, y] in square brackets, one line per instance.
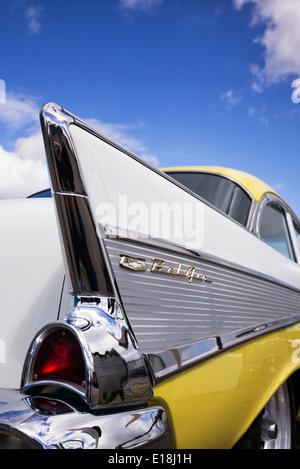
[56, 358]
[59, 358]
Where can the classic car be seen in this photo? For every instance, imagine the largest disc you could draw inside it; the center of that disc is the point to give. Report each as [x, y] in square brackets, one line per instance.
[146, 308]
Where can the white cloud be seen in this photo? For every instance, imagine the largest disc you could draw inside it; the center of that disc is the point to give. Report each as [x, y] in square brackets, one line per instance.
[23, 170]
[231, 98]
[121, 134]
[239, 3]
[278, 186]
[2, 91]
[19, 111]
[280, 40]
[259, 114]
[151, 159]
[33, 14]
[140, 4]
[31, 148]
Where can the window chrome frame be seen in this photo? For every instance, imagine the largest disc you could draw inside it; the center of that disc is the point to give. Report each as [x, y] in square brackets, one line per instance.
[290, 218]
[289, 215]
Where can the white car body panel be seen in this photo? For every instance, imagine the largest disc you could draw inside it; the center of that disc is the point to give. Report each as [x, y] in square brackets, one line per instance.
[31, 279]
[106, 180]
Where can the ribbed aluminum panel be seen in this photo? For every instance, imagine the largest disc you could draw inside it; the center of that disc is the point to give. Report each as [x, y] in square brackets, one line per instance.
[167, 311]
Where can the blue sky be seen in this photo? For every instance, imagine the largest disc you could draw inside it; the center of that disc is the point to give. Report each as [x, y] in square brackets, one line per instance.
[179, 82]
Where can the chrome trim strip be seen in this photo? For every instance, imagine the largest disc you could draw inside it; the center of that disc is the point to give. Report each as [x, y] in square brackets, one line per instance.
[29, 422]
[232, 340]
[168, 363]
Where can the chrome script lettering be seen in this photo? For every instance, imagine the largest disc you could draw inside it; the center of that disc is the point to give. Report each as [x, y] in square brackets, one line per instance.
[189, 273]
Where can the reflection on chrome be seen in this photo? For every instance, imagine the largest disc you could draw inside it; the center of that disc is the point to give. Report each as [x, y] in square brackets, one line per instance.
[52, 424]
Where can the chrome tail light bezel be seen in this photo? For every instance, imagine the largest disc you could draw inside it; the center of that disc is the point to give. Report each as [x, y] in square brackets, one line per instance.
[29, 382]
[115, 370]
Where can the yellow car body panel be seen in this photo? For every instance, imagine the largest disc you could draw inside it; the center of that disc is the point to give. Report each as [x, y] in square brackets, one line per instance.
[212, 404]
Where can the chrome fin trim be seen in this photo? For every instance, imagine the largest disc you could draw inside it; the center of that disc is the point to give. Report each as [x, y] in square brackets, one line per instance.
[88, 265]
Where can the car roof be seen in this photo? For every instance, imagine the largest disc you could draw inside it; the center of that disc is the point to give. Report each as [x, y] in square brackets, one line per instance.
[255, 186]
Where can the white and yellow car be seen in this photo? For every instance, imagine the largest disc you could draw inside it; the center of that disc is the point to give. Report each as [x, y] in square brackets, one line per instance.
[161, 311]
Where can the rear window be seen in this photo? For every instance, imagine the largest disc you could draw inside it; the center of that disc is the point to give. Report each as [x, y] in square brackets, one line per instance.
[45, 193]
[221, 192]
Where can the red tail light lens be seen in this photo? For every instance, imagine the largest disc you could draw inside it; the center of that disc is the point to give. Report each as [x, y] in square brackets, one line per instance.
[59, 358]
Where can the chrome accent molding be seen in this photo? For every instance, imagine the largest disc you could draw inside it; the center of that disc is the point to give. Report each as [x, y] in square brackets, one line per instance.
[169, 362]
[166, 363]
[42, 423]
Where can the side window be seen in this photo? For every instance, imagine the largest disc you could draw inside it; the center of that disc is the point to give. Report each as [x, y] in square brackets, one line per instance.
[274, 229]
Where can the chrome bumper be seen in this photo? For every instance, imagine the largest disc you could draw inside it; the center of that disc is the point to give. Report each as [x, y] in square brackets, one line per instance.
[40, 423]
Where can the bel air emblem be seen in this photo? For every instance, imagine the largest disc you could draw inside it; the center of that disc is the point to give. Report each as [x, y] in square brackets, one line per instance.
[159, 266]
[133, 263]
